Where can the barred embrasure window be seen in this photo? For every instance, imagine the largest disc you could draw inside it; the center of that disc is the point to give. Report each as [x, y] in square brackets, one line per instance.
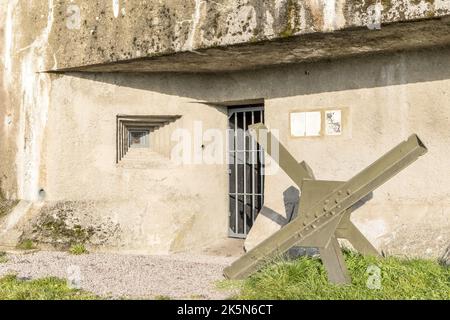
[133, 131]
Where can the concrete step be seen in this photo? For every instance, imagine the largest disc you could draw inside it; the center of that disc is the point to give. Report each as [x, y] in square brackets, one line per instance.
[9, 234]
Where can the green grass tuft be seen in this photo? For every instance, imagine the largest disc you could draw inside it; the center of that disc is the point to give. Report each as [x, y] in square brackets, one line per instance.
[12, 288]
[26, 245]
[78, 249]
[306, 278]
[229, 285]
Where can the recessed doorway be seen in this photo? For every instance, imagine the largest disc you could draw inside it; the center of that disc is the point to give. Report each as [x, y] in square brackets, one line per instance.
[246, 170]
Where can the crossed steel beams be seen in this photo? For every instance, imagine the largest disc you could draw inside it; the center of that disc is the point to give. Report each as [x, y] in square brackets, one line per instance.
[325, 209]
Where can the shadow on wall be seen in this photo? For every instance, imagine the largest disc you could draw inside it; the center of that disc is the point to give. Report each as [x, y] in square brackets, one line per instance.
[291, 198]
[367, 71]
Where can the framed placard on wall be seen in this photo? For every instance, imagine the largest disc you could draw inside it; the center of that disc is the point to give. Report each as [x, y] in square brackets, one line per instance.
[316, 123]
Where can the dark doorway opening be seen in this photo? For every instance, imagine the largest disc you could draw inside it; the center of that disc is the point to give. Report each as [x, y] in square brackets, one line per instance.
[246, 170]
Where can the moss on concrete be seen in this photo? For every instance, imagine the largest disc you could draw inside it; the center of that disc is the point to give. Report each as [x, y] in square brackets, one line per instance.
[56, 229]
[66, 224]
[26, 244]
[292, 19]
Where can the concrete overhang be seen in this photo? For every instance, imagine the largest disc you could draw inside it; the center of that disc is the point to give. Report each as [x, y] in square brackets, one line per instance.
[298, 49]
[233, 35]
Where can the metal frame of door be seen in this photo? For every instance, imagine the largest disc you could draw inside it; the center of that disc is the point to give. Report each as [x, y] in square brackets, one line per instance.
[246, 170]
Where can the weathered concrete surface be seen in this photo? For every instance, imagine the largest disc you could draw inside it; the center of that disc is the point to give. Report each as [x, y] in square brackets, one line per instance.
[141, 29]
[198, 35]
[58, 131]
[282, 51]
[7, 142]
[154, 205]
[24, 95]
[11, 225]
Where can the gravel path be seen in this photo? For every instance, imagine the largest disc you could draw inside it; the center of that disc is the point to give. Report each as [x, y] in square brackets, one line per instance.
[178, 276]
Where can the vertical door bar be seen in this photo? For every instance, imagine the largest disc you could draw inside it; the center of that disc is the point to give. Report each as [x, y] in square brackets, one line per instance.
[263, 162]
[253, 170]
[117, 140]
[119, 137]
[245, 170]
[236, 160]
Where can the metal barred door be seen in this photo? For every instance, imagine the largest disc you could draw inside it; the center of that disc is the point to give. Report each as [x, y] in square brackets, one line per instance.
[246, 170]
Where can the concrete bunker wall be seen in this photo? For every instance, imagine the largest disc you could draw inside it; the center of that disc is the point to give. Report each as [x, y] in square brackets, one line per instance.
[58, 134]
[159, 207]
[385, 98]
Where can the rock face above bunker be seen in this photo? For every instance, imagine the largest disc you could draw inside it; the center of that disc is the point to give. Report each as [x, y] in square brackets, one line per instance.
[108, 32]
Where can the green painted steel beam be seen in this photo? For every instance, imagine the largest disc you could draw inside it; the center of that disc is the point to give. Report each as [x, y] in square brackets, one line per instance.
[295, 170]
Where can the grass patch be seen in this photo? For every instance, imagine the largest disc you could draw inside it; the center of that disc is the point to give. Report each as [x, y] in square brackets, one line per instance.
[3, 257]
[229, 285]
[306, 279]
[26, 245]
[12, 288]
[78, 249]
